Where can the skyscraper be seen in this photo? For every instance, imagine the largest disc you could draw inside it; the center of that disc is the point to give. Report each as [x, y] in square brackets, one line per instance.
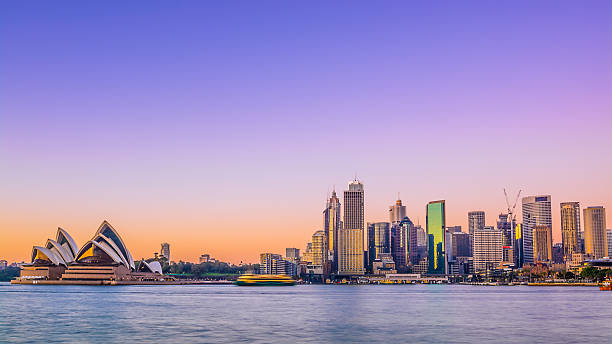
[436, 234]
[609, 237]
[379, 241]
[476, 220]
[397, 212]
[508, 239]
[293, 255]
[488, 253]
[570, 229]
[319, 248]
[401, 242]
[595, 241]
[536, 212]
[331, 225]
[542, 244]
[165, 251]
[350, 236]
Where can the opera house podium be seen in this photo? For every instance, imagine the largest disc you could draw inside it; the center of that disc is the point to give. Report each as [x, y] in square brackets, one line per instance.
[103, 260]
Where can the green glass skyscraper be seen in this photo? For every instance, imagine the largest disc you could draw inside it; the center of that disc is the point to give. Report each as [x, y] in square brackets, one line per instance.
[436, 243]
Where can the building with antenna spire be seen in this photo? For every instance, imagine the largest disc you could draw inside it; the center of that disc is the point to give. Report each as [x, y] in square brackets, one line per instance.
[397, 212]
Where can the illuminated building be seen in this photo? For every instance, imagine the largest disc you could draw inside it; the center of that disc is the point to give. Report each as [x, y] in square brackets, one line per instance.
[331, 226]
[570, 229]
[400, 242]
[350, 236]
[488, 248]
[542, 244]
[595, 241]
[436, 234]
[536, 212]
[397, 212]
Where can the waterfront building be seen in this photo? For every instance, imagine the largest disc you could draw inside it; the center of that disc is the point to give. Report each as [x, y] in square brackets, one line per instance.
[383, 265]
[436, 235]
[103, 259]
[476, 220]
[165, 251]
[292, 254]
[487, 251]
[609, 237]
[570, 229]
[319, 248]
[536, 212]
[350, 236]
[518, 244]
[557, 253]
[397, 212]
[379, 241]
[401, 241]
[274, 264]
[331, 226]
[595, 241]
[307, 258]
[542, 244]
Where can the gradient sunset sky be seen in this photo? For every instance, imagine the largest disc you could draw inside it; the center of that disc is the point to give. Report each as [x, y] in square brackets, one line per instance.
[221, 127]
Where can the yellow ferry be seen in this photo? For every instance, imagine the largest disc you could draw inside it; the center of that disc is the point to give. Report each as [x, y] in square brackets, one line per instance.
[264, 280]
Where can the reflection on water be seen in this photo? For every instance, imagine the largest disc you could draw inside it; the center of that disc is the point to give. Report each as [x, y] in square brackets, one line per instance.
[315, 313]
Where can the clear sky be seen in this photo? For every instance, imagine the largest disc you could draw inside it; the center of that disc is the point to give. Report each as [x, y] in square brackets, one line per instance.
[220, 127]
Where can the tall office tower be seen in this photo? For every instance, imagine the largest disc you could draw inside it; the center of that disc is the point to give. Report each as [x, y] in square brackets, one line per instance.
[165, 251]
[319, 248]
[292, 254]
[508, 242]
[350, 236]
[401, 241]
[331, 225]
[595, 241]
[570, 229]
[542, 244]
[488, 252]
[476, 220]
[461, 245]
[379, 241]
[397, 212]
[453, 229]
[609, 237]
[536, 212]
[519, 256]
[436, 237]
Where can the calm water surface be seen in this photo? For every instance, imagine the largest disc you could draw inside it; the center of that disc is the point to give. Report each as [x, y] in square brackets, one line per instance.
[305, 314]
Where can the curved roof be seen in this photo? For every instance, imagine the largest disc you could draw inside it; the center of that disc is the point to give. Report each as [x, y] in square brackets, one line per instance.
[109, 251]
[108, 231]
[55, 247]
[50, 256]
[63, 238]
[153, 266]
[101, 238]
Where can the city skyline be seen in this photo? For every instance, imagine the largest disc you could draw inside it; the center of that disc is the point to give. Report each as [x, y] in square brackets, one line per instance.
[223, 129]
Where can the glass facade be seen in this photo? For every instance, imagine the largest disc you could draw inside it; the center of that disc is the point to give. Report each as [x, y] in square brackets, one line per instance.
[436, 238]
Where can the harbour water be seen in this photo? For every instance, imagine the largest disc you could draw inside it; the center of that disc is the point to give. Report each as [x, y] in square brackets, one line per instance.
[305, 314]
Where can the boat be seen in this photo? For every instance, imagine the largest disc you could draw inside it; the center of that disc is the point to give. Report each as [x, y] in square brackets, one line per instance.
[264, 280]
[606, 285]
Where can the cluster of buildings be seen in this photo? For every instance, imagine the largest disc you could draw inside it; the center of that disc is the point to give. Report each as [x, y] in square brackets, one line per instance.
[347, 246]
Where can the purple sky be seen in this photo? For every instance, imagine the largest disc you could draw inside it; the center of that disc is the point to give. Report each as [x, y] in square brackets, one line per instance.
[221, 127]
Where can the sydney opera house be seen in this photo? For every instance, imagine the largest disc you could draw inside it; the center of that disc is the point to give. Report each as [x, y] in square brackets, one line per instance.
[102, 260]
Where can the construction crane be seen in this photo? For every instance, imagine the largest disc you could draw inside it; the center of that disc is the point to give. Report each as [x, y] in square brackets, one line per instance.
[511, 208]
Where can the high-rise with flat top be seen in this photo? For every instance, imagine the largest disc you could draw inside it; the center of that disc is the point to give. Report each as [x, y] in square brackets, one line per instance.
[397, 212]
[536, 212]
[595, 241]
[476, 220]
[165, 251]
[488, 248]
[350, 236]
[570, 229]
[436, 234]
